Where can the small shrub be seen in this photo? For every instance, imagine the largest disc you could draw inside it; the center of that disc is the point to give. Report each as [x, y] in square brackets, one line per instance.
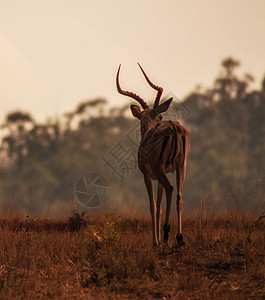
[76, 222]
[97, 234]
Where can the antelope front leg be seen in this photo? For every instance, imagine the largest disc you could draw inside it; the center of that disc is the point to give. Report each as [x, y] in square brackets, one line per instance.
[166, 228]
[149, 187]
[159, 210]
[163, 180]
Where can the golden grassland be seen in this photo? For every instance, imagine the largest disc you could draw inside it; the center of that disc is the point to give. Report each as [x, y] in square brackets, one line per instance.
[111, 257]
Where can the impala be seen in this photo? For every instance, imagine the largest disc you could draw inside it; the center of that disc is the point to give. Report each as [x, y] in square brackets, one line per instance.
[164, 148]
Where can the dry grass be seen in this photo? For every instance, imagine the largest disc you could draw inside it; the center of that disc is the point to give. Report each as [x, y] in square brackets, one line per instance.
[112, 258]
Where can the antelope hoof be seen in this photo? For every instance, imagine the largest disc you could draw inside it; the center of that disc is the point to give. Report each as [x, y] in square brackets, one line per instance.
[180, 240]
[166, 229]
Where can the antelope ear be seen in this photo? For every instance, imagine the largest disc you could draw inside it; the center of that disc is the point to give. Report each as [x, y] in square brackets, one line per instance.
[162, 107]
[136, 111]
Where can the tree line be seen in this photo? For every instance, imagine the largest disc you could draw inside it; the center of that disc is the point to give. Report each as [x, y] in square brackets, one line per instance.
[41, 163]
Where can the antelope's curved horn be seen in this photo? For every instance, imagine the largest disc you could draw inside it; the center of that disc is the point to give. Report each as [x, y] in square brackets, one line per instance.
[157, 88]
[129, 94]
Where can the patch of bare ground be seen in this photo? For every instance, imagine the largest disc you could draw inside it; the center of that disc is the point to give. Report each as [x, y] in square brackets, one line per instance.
[111, 257]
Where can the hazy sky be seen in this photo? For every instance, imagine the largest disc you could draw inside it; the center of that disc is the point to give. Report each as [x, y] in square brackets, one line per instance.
[56, 53]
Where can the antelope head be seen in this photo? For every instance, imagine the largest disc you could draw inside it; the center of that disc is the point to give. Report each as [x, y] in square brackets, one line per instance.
[149, 117]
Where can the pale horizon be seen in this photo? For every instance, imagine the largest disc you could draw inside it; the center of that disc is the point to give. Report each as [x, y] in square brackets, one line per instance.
[54, 55]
